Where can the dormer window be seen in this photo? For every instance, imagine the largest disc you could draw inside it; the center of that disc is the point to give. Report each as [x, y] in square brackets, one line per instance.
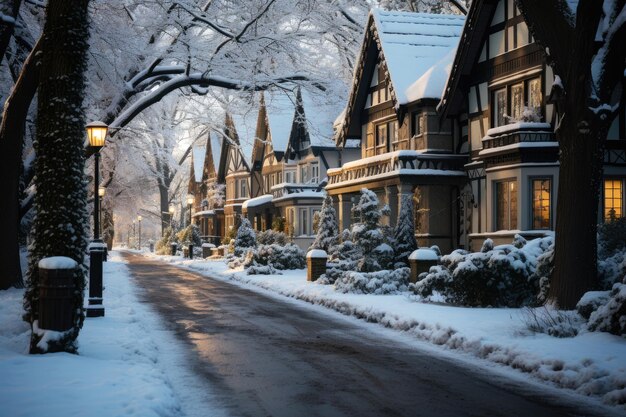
[378, 90]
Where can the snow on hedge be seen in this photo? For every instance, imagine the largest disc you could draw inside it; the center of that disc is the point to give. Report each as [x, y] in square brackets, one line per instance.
[57, 262]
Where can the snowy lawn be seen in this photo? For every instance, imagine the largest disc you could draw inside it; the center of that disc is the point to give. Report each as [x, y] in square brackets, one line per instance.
[128, 365]
[592, 364]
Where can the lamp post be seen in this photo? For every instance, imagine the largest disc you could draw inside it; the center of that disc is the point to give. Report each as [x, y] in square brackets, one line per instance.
[96, 133]
[139, 221]
[190, 200]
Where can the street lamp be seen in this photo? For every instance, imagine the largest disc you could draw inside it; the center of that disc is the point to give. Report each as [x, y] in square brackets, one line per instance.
[190, 200]
[96, 133]
[139, 220]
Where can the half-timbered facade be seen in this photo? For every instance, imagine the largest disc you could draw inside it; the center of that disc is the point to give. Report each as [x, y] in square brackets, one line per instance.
[500, 93]
[207, 212]
[406, 148]
[291, 160]
[234, 170]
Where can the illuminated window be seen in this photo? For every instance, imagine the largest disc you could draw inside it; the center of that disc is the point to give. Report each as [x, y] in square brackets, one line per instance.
[517, 101]
[613, 198]
[541, 192]
[499, 107]
[534, 94]
[506, 205]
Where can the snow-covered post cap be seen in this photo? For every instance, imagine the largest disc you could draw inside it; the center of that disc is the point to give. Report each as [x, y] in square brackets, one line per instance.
[317, 253]
[208, 245]
[97, 245]
[57, 262]
[424, 254]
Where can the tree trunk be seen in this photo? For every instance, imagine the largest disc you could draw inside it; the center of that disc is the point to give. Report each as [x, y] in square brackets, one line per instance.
[580, 176]
[60, 227]
[11, 146]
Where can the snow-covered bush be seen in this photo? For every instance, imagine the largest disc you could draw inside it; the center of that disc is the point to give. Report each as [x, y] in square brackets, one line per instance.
[245, 239]
[327, 226]
[190, 235]
[611, 237]
[270, 237]
[341, 257]
[280, 257]
[278, 224]
[611, 269]
[591, 301]
[611, 316]
[163, 245]
[256, 269]
[495, 276]
[379, 282]
[404, 233]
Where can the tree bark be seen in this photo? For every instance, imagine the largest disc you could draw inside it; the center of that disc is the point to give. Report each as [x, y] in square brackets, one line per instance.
[60, 227]
[11, 146]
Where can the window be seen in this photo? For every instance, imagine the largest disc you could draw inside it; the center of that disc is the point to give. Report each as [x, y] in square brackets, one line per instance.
[290, 176]
[517, 101]
[304, 224]
[416, 124]
[613, 199]
[315, 173]
[393, 134]
[506, 205]
[534, 95]
[244, 188]
[499, 107]
[303, 174]
[381, 135]
[541, 193]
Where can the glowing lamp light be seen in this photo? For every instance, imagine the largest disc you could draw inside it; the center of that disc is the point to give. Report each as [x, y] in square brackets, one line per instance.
[139, 218]
[190, 199]
[172, 209]
[97, 132]
[101, 191]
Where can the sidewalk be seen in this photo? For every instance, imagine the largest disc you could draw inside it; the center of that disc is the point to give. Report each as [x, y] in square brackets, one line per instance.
[128, 364]
[590, 364]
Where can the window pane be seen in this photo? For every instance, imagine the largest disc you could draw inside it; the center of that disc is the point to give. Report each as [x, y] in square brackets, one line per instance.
[534, 95]
[506, 205]
[499, 108]
[512, 185]
[613, 198]
[541, 203]
[517, 101]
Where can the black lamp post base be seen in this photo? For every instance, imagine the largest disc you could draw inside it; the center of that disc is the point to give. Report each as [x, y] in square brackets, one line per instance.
[95, 307]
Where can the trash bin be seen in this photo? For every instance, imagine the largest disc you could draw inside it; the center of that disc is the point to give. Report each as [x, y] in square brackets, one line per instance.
[56, 293]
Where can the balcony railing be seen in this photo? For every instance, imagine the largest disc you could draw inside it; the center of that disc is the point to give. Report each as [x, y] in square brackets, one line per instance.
[293, 189]
[518, 133]
[404, 162]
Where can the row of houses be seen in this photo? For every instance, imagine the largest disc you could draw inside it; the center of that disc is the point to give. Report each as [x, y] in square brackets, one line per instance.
[458, 112]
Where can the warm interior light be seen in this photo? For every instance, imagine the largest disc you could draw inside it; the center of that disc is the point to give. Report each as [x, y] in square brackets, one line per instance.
[97, 132]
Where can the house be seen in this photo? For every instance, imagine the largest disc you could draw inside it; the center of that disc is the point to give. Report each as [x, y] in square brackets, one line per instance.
[207, 209]
[234, 167]
[407, 149]
[290, 161]
[500, 94]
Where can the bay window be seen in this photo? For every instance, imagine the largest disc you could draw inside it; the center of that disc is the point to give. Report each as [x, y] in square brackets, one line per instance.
[541, 203]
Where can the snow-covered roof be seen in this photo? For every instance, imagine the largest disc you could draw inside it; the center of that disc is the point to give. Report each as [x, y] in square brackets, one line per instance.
[245, 125]
[320, 116]
[198, 162]
[216, 150]
[412, 43]
[281, 108]
[257, 201]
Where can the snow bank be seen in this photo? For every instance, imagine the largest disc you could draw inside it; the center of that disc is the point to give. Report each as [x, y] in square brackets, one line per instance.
[57, 262]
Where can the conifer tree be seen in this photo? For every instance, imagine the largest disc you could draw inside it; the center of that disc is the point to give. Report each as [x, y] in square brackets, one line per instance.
[404, 234]
[60, 225]
[366, 232]
[245, 239]
[327, 227]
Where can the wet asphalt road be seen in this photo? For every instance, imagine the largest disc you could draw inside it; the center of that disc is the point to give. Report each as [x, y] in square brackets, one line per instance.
[266, 357]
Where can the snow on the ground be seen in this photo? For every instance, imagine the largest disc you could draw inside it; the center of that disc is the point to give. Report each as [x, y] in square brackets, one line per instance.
[591, 364]
[128, 364]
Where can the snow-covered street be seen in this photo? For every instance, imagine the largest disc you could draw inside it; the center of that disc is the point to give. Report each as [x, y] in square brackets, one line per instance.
[128, 365]
[590, 364]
